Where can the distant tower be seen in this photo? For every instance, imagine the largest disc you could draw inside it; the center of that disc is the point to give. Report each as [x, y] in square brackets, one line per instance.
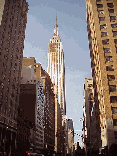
[56, 70]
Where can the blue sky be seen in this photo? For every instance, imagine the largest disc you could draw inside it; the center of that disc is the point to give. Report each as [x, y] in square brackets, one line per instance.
[71, 15]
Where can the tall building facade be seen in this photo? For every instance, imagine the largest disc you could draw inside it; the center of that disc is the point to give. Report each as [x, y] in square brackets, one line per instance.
[102, 35]
[87, 111]
[56, 70]
[49, 102]
[32, 102]
[70, 137]
[13, 19]
[49, 112]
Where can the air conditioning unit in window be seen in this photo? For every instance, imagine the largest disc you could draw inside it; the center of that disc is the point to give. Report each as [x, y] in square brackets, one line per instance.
[101, 12]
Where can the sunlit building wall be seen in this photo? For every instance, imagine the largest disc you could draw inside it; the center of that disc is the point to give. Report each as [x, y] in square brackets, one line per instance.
[102, 35]
[56, 70]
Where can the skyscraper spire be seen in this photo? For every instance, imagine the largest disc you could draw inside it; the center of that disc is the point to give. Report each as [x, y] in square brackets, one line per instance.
[56, 28]
[56, 19]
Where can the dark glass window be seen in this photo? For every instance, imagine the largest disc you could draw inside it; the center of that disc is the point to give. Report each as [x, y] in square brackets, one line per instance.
[104, 34]
[101, 18]
[114, 122]
[110, 5]
[107, 50]
[101, 12]
[105, 42]
[103, 26]
[113, 99]
[115, 40]
[112, 88]
[98, 0]
[108, 58]
[115, 134]
[112, 18]
[111, 10]
[99, 5]
[114, 110]
[114, 25]
[116, 49]
[114, 33]
[110, 68]
[111, 77]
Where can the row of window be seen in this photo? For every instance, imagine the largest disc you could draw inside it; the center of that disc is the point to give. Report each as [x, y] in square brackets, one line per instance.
[110, 5]
[112, 18]
[10, 112]
[103, 34]
[12, 95]
[2, 83]
[107, 42]
[109, 58]
[102, 11]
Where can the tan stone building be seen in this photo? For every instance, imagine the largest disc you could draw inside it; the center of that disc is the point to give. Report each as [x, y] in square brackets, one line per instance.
[102, 35]
[13, 19]
[56, 70]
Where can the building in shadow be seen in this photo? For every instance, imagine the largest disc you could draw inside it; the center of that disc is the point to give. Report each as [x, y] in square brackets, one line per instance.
[13, 19]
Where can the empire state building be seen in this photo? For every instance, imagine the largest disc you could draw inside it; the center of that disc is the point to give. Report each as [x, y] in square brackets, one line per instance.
[56, 67]
[56, 70]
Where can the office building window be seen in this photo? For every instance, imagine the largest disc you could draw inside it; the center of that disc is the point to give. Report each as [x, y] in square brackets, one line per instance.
[8, 89]
[1, 95]
[108, 58]
[111, 10]
[115, 40]
[105, 42]
[112, 88]
[8, 81]
[114, 33]
[112, 18]
[114, 25]
[110, 5]
[103, 34]
[9, 73]
[114, 122]
[114, 110]
[113, 99]
[101, 18]
[111, 77]
[99, 5]
[107, 50]
[110, 68]
[2, 85]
